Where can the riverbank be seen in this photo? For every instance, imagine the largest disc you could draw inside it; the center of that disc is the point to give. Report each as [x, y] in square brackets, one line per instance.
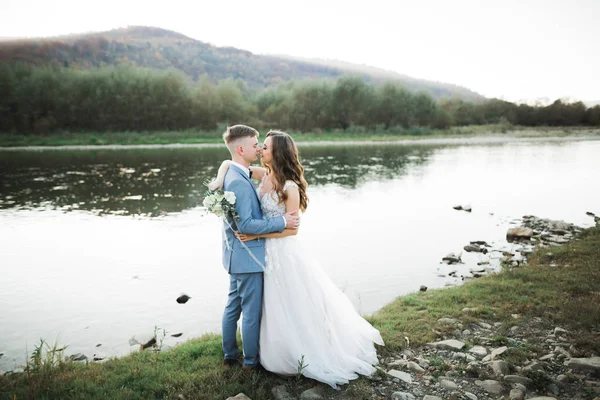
[538, 319]
[209, 138]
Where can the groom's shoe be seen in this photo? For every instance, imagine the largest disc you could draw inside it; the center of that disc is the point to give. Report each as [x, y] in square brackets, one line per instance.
[230, 362]
[249, 369]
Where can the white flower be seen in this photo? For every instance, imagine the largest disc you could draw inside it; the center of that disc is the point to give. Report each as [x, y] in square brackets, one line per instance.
[217, 207]
[230, 197]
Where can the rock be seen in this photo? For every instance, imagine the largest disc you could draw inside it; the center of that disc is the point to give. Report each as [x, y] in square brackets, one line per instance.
[592, 363]
[542, 398]
[149, 343]
[430, 397]
[398, 363]
[473, 248]
[403, 376]
[520, 232]
[78, 357]
[280, 393]
[311, 394]
[451, 321]
[496, 352]
[519, 386]
[240, 396]
[463, 356]
[403, 396]
[467, 208]
[562, 378]
[518, 379]
[183, 299]
[452, 258]
[450, 344]
[547, 357]
[553, 388]
[484, 325]
[423, 288]
[471, 396]
[413, 366]
[516, 394]
[448, 385]
[500, 368]
[490, 386]
[479, 351]
[535, 366]
[458, 207]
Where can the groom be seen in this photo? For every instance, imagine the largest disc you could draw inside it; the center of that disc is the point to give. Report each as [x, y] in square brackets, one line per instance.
[245, 272]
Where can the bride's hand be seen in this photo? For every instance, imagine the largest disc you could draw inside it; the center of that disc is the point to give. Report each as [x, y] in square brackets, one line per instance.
[244, 238]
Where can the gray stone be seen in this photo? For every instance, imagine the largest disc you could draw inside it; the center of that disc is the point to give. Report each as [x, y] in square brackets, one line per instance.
[280, 393]
[430, 397]
[413, 366]
[535, 366]
[490, 386]
[479, 351]
[516, 394]
[592, 363]
[553, 388]
[496, 352]
[562, 378]
[520, 232]
[448, 385]
[78, 357]
[518, 379]
[398, 363]
[547, 357]
[519, 386]
[450, 344]
[311, 394]
[403, 376]
[500, 368]
[542, 398]
[558, 330]
[450, 321]
[471, 396]
[403, 396]
[485, 325]
[239, 396]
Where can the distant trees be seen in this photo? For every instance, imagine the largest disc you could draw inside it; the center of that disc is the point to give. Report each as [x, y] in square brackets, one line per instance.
[46, 99]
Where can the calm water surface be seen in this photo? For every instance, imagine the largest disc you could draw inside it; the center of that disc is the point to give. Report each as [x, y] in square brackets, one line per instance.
[96, 245]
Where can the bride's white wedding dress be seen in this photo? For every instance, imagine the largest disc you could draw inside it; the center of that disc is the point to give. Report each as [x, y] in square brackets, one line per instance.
[305, 314]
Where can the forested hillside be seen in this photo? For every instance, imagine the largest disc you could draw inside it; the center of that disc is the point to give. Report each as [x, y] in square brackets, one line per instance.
[161, 49]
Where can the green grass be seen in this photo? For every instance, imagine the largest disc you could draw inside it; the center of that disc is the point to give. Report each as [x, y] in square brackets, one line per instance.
[567, 295]
[200, 137]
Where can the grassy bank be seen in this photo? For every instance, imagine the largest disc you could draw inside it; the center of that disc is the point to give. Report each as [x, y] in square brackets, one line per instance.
[198, 137]
[565, 295]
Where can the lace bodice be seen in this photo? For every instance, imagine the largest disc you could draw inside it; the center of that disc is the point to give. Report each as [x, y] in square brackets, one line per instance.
[269, 201]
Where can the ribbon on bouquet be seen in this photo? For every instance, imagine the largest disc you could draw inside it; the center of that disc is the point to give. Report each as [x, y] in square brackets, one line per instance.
[242, 243]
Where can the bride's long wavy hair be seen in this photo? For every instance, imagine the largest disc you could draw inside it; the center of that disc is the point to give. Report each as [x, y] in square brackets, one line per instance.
[285, 166]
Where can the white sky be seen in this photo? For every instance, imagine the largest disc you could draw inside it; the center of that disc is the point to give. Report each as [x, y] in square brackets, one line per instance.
[511, 49]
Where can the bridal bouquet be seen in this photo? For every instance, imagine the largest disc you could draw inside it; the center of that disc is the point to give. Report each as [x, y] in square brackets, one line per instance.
[221, 203]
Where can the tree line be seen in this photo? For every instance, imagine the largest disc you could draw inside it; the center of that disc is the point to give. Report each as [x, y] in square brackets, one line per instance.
[42, 99]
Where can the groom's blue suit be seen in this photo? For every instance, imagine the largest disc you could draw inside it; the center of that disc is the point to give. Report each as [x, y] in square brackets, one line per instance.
[245, 274]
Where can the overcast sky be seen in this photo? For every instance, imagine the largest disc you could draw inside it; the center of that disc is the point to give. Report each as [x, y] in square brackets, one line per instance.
[511, 49]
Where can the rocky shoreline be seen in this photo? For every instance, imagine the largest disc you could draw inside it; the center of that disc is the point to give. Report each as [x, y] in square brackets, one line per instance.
[526, 359]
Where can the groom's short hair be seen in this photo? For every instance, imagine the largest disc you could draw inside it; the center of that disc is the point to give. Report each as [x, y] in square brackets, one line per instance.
[239, 131]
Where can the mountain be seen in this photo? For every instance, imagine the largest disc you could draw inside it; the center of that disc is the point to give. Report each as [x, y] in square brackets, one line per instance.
[162, 49]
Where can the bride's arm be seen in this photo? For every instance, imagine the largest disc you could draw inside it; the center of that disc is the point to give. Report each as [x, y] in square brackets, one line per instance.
[291, 204]
[258, 172]
[217, 183]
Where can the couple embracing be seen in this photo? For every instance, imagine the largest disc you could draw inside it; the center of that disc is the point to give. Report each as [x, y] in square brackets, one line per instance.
[291, 310]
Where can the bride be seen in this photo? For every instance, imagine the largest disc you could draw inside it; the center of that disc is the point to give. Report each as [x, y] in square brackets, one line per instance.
[308, 324]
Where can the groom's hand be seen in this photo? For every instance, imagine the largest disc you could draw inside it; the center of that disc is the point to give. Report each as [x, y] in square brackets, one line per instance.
[292, 220]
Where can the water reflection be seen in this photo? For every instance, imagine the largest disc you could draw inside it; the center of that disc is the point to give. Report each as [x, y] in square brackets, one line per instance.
[154, 182]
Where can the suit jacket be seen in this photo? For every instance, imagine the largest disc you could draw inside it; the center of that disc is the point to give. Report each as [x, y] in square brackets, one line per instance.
[236, 259]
